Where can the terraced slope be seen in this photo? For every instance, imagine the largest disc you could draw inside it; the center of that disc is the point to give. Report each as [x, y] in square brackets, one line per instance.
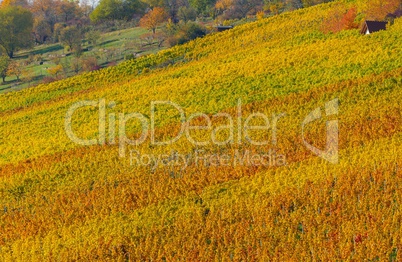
[64, 201]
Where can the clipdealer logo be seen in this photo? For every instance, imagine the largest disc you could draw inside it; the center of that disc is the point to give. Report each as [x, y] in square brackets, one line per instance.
[330, 153]
[238, 128]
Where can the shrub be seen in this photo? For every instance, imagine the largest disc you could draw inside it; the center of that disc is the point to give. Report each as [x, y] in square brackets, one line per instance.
[260, 15]
[93, 37]
[30, 59]
[193, 30]
[56, 60]
[172, 40]
[185, 32]
[54, 71]
[76, 65]
[111, 64]
[90, 64]
[48, 79]
[129, 57]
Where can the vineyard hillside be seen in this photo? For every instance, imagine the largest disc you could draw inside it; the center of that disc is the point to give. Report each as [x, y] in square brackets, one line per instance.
[65, 201]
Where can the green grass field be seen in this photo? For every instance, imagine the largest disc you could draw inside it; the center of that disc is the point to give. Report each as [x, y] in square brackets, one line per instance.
[122, 42]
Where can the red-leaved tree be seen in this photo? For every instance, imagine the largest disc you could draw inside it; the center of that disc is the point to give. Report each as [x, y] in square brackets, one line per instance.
[340, 19]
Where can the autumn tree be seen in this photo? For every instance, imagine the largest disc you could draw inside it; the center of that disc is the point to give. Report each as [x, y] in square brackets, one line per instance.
[67, 11]
[238, 8]
[42, 30]
[153, 18]
[171, 7]
[57, 31]
[71, 37]
[16, 69]
[117, 10]
[203, 7]
[348, 19]
[44, 19]
[187, 14]
[45, 10]
[107, 10]
[16, 27]
[340, 19]
[7, 3]
[50, 13]
[4, 61]
[223, 4]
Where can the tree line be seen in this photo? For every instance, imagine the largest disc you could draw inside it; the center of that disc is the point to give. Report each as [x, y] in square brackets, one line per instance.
[27, 23]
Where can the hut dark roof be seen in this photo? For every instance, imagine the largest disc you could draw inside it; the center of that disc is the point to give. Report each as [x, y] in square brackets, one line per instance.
[223, 28]
[373, 26]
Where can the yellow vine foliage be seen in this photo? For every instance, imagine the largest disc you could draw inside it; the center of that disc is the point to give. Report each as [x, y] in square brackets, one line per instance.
[62, 201]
